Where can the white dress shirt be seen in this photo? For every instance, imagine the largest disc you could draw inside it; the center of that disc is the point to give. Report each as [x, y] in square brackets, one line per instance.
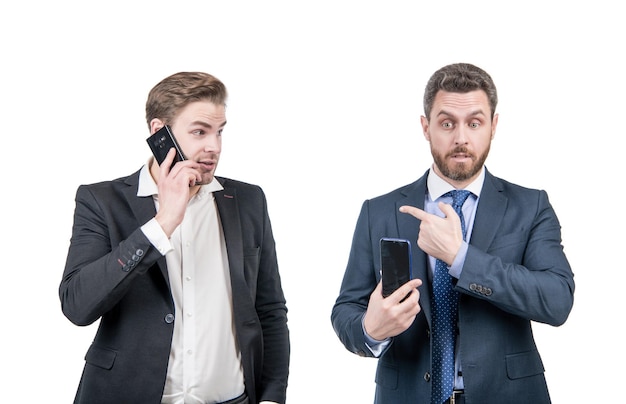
[205, 363]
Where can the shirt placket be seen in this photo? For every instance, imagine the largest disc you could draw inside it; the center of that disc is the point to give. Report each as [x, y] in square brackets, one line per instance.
[188, 311]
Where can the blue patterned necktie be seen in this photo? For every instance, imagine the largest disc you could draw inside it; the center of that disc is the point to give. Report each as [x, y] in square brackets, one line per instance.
[445, 304]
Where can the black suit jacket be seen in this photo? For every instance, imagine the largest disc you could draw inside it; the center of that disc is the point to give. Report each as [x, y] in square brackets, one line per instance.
[115, 275]
[515, 272]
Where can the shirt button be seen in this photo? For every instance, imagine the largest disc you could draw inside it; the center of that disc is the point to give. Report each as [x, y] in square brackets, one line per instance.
[188, 278]
[189, 351]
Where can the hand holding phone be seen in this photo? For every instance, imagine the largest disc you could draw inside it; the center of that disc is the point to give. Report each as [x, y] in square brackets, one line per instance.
[161, 142]
[395, 263]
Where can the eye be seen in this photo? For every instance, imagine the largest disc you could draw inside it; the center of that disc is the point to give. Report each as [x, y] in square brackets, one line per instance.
[219, 132]
[197, 132]
[474, 125]
[446, 125]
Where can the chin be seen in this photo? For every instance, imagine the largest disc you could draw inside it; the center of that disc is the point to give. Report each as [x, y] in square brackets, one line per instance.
[206, 180]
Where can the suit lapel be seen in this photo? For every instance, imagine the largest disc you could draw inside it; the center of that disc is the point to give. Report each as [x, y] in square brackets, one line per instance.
[409, 228]
[489, 213]
[143, 208]
[227, 206]
[226, 201]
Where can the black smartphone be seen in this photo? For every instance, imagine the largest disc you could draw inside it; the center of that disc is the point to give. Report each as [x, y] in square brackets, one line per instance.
[161, 142]
[395, 263]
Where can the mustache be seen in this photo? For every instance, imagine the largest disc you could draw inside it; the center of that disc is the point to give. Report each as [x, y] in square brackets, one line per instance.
[460, 150]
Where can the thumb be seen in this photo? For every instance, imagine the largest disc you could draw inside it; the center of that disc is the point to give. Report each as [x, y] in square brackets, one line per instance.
[379, 287]
[449, 211]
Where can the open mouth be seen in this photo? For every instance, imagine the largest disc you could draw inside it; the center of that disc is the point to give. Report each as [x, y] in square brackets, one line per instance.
[207, 165]
[460, 155]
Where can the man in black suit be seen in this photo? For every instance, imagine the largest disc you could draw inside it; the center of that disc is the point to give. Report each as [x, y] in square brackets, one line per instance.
[180, 268]
[501, 259]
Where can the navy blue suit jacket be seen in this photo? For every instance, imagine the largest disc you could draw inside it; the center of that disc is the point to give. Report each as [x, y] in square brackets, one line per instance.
[515, 272]
[115, 275]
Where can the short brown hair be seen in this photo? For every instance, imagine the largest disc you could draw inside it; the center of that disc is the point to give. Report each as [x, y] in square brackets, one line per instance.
[460, 78]
[175, 92]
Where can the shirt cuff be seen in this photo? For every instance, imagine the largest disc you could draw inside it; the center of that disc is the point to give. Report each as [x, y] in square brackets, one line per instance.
[375, 346]
[157, 236]
[457, 266]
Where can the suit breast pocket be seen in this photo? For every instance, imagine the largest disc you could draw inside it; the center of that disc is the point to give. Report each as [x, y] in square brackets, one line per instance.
[251, 262]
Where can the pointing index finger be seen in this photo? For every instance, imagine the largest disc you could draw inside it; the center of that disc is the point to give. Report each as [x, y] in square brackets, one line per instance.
[413, 211]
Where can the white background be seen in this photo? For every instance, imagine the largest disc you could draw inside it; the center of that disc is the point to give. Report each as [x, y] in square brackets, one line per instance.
[324, 107]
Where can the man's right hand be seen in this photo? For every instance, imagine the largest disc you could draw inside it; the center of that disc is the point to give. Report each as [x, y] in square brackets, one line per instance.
[175, 186]
[390, 316]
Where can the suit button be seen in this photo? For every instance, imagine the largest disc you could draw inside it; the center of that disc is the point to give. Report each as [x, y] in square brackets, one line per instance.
[169, 318]
[427, 376]
[139, 252]
[472, 286]
[488, 292]
[125, 268]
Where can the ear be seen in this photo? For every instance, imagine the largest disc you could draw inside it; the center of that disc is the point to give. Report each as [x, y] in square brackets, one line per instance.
[155, 125]
[494, 123]
[424, 122]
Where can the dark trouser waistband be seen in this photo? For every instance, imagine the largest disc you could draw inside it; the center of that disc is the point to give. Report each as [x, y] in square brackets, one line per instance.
[242, 399]
[457, 397]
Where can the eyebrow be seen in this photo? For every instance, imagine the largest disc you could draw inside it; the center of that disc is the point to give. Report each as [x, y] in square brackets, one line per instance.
[207, 125]
[473, 113]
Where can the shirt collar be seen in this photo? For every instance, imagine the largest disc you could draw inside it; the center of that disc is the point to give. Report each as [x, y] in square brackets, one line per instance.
[437, 186]
[148, 187]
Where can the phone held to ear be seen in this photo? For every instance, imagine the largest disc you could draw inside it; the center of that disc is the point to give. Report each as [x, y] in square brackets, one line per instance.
[161, 142]
[395, 263]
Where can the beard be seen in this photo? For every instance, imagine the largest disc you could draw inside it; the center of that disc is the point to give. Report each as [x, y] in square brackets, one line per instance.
[206, 178]
[459, 171]
[204, 181]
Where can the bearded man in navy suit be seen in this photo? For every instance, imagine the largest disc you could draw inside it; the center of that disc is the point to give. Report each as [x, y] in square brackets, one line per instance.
[508, 271]
[180, 268]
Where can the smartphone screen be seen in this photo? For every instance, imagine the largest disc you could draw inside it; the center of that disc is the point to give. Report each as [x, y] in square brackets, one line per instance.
[395, 263]
[161, 142]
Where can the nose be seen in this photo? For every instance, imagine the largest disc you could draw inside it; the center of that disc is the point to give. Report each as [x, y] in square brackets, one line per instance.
[213, 143]
[461, 135]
